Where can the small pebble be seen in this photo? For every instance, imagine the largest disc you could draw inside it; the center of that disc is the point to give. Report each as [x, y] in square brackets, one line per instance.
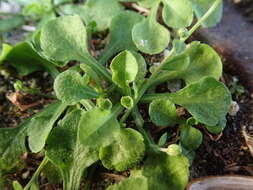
[26, 174]
[234, 108]
[166, 52]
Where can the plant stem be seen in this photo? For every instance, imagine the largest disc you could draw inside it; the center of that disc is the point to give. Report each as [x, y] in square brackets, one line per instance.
[92, 62]
[107, 53]
[139, 124]
[37, 172]
[203, 18]
[147, 98]
[88, 104]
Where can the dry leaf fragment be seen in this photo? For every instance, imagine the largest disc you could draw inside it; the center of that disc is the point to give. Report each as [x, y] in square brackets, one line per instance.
[23, 101]
[248, 140]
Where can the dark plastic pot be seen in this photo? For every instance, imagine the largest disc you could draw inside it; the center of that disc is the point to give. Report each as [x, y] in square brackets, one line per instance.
[233, 39]
[222, 183]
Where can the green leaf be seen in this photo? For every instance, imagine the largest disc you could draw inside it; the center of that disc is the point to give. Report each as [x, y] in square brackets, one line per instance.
[200, 7]
[16, 185]
[10, 23]
[124, 69]
[145, 34]
[70, 87]
[74, 9]
[52, 173]
[147, 3]
[65, 150]
[218, 128]
[177, 13]
[163, 140]
[98, 127]
[174, 150]
[204, 61]
[6, 48]
[189, 154]
[127, 150]
[207, 100]
[104, 103]
[142, 68]
[164, 171]
[179, 46]
[102, 12]
[163, 112]
[127, 102]
[121, 28]
[64, 39]
[131, 183]
[190, 137]
[41, 125]
[25, 59]
[38, 9]
[177, 63]
[12, 145]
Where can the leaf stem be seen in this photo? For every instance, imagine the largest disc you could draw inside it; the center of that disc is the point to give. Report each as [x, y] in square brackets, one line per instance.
[147, 98]
[139, 124]
[107, 54]
[92, 62]
[203, 18]
[37, 172]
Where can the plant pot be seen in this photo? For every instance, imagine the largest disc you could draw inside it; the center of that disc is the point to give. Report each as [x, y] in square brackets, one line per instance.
[222, 183]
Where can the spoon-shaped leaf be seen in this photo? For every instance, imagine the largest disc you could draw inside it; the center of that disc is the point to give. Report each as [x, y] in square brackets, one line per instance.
[145, 36]
[121, 34]
[102, 12]
[163, 112]
[25, 59]
[177, 13]
[125, 152]
[204, 61]
[64, 39]
[66, 152]
[98, 127]
[164, 171]
[207, 100]
[190, 137]
[41, 125]
[12, 145]
[124, 69]
[70, 87]
[99, 12]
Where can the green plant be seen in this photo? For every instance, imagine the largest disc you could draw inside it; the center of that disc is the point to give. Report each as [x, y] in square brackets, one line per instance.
[88, 124]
